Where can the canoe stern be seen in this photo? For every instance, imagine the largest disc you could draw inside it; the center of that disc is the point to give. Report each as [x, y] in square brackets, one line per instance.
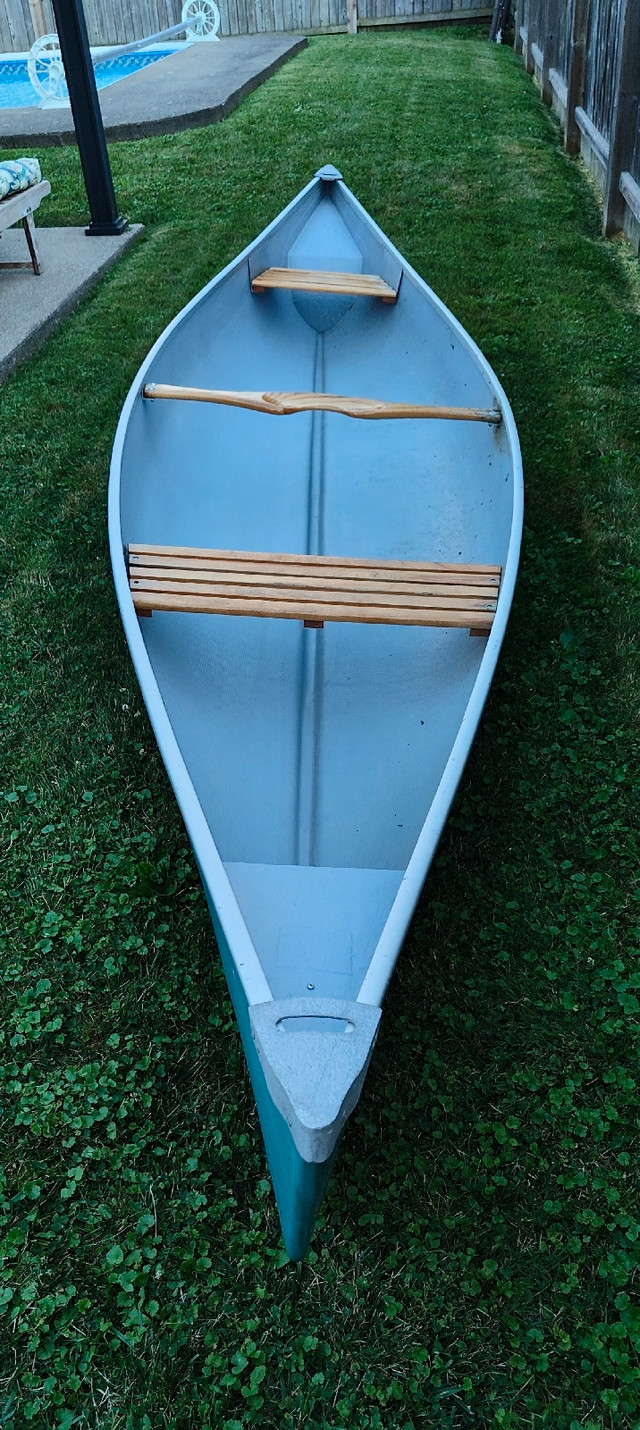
[314, 1053]
[299, 1184]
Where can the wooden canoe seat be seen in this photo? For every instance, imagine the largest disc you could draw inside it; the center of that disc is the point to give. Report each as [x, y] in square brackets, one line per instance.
[313, 589]
[312, 280]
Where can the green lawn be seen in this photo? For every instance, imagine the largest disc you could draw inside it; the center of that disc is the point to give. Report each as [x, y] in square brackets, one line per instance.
[477, 1259]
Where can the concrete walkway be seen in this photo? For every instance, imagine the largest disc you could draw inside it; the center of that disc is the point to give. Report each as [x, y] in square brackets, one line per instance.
[31, 306]
[195, 86]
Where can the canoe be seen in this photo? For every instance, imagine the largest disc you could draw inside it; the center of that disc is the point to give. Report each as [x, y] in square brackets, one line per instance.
[315, 513]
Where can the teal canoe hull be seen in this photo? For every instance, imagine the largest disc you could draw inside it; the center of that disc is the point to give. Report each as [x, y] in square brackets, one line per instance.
[299, 1186]
[314, 762]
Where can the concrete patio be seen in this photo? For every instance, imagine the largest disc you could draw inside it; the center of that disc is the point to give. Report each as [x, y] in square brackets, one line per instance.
[31, 306]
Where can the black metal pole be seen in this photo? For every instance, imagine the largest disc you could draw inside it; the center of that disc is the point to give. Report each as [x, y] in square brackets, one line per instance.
[92, 145]
[500, 18]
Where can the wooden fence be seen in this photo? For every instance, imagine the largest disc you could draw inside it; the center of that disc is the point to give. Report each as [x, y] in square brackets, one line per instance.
[585, 55]
[114, 22]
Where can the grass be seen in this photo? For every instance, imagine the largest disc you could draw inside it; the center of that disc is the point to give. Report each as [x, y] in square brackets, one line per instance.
[477, 1258]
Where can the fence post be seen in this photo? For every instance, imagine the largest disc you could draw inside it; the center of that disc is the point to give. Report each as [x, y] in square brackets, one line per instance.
[547, 49]
[575, 76]
[625, 114]
[527, 15]
[352, 17]
[517, 23]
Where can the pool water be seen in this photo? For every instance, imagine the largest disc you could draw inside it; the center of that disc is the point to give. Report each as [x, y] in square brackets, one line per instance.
[17, 92]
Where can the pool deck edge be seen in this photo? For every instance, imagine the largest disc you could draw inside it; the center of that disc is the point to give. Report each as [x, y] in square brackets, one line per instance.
[188, 89]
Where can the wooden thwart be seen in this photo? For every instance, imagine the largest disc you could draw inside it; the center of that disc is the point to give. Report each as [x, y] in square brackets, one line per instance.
[282, 404]
[311, 280]
[313, 589]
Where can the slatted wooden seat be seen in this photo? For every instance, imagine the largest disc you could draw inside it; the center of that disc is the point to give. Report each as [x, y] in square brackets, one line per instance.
[313, 589]
[311, 280]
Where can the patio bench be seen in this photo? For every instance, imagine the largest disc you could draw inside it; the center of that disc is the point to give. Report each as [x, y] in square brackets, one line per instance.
[19, 205]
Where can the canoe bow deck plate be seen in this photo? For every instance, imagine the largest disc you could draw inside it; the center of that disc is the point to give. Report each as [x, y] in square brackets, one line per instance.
[314, 752]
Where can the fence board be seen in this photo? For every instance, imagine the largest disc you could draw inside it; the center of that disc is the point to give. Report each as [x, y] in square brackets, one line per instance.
[591, 51]
[624, 113]
[109, 22]
[602, 62]
[116, 22]
[635, 162]
[17, 28]
[563, 37]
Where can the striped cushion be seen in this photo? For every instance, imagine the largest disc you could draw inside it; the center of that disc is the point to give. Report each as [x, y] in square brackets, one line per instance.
[17, 175]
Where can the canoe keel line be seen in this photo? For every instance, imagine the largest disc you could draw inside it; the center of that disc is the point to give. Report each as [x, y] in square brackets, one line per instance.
[311, 647]
[314, 752]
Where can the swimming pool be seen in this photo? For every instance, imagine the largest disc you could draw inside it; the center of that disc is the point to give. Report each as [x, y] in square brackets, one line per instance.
[17, 92]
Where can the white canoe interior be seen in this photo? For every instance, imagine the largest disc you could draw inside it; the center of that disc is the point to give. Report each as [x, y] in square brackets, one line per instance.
[315, 754]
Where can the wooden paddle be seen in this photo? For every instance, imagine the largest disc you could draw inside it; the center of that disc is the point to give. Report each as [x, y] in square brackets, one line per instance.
[281, 404]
